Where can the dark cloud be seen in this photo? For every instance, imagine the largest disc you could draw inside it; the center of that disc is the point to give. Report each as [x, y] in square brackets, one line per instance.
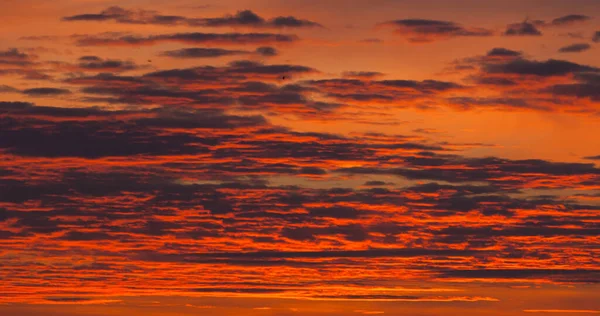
[122, 15]
[244, 18]
[85, 236]
[15, 57]
[578, 90]
[586, 85]
[503, 52]
[481, 169]
[248, 18]
[166, 176]
[217, 52]
[95, 63]
[524, 230]
[421, 30]
[42, 92]
[362, 74]
[252, 67]
[596, 37]
[26, 109]
[245, 81]
[107, 135]
[523, 29]
[375, 183]
[353, 232]
[187, 38]
[575, 48]
[202, 53]
[371, 253]
[368, 90]
[267, 51]
[26, 74]
[334, 212]
[93, 140]
[236, 70]
[569, 19]
[558, 82]
[548, 68]
[290, 21]
[593, 157]
[574, 275]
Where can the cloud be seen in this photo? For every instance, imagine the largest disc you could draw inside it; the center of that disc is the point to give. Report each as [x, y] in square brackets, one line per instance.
[122, 15]
[371, 253]
[105, 135]
[175, 169]
[487, 232]
[290, 21]
[249, 18]
[376, 183]
[267, 51]
[218, 52]
[569, 275]
[523, 83]
[548, 68]
[525, 28]
[575, 48]
[203, 53]
[192, 184]
[85, 236]
[234, 72]
[437, 169]
[42, 92]
[365, 90]
[503, 52]
[596, 37]
[362, 74]
[423, 31]
[15, 57]
[245, 18]
[97, 64]
[186, 38]
[531, 27]
[570, 20]
[249, 85]
[587, 85]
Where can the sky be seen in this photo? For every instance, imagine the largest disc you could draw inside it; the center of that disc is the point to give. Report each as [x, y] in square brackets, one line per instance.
[233, 157]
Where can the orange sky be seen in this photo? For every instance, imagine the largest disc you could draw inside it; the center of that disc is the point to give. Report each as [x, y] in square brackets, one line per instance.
[299, 157]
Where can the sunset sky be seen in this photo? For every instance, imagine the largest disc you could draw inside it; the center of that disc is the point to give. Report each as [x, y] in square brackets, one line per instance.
[299, 157]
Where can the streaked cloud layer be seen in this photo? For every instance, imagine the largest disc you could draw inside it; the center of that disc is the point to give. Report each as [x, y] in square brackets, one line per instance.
[292, 158]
